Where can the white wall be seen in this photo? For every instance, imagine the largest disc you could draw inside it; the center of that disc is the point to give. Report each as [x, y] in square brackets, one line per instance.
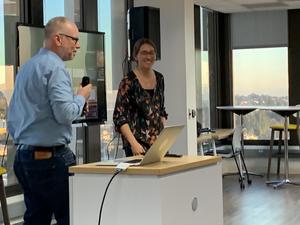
[119, 40]
[177, 64]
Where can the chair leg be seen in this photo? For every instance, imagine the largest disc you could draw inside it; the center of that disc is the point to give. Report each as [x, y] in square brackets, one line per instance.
[245, 167]
[201, 149]
[214, 147]
[270, 153]
[3, 202]
[239, 167]
[279, 152]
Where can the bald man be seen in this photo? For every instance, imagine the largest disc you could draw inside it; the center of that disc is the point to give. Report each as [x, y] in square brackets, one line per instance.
[40, 116]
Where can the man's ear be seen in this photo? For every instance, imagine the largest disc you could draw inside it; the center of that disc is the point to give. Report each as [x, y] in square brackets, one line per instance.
[57, 39]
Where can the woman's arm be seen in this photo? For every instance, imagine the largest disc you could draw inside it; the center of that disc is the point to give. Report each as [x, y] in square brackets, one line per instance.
[163, 120]
[122, 116]
[163, 113]
[136, 148]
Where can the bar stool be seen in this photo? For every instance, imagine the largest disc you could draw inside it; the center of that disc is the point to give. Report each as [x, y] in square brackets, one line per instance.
[3, 198]
[280, 129]
[3, 201]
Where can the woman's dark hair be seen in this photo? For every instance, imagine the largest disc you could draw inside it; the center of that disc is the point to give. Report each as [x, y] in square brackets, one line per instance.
[138, 44]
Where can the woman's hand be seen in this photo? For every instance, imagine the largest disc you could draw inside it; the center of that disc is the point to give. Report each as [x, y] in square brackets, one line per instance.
[137, 149]
[164, 121]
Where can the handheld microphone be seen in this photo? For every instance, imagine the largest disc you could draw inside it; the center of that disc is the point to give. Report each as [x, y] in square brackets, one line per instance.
[85, 81]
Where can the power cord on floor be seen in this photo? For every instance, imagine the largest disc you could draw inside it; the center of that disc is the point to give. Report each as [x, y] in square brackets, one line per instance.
[119, 168]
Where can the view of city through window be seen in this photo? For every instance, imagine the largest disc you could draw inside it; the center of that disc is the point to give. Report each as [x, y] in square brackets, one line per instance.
[260, 78]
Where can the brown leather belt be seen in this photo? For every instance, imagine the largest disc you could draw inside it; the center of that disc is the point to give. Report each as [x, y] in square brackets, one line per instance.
[41, 152]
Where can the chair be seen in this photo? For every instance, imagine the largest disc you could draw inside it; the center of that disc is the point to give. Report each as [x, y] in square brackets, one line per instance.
[236, 151]
[280, 129]
[3, 198]
[238, 157]
[211, 136]
[3, 201]
[206, 136]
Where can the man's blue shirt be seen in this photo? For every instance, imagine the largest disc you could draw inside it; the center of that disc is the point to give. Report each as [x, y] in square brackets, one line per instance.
[43, 105]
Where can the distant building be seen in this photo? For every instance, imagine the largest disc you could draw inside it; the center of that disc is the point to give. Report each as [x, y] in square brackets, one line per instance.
[3, 106]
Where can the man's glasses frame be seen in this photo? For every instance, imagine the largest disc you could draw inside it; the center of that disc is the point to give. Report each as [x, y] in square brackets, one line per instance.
[75, 39]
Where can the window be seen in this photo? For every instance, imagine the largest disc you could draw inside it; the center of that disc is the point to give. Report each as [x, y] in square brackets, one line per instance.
[112, 21]
[202, 68]
[260, 77]
[9, 15]
[53, 8]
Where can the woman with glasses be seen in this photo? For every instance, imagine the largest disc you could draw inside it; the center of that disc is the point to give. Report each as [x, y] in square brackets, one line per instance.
[139, 113]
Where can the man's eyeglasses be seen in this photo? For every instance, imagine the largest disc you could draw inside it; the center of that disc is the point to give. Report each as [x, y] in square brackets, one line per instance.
[75, 39]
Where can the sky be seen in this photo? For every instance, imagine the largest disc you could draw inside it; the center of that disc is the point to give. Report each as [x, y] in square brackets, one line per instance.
[53, 8]
[261, 71]
[104, 25]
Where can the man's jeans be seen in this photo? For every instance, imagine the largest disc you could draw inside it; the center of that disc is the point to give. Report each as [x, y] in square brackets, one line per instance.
[45, 184]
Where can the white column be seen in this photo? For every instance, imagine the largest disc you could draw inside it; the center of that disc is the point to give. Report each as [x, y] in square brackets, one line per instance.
[177, 64]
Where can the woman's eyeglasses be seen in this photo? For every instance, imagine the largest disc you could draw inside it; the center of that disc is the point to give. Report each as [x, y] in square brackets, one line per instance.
[145, 53]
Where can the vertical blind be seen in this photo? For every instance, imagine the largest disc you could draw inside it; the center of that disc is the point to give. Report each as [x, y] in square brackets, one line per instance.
[259, 29]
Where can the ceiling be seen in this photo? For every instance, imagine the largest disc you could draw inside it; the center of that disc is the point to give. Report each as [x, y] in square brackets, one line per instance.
[233, 6]
[225, 6]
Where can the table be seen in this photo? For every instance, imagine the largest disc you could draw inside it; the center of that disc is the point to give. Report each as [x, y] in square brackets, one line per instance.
[241, 111]
[175, 191]
[284, 111]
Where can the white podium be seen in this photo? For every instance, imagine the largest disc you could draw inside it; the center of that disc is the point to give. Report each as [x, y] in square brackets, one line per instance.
[177, 191]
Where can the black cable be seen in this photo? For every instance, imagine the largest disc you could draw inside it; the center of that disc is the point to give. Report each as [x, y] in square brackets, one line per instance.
[100, 213]
[125, 65]
[130, 64]
[117, 145]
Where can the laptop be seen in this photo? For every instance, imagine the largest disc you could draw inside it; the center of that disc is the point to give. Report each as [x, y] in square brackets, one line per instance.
[156, 152]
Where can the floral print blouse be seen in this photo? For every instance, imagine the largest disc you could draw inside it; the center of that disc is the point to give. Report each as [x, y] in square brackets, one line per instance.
[140, 109]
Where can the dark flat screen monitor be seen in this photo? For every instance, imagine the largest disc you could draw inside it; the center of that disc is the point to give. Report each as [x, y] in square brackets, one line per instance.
[89, 61]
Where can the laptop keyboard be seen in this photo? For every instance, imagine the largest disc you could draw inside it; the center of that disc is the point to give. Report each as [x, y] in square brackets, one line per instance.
[133, 161]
